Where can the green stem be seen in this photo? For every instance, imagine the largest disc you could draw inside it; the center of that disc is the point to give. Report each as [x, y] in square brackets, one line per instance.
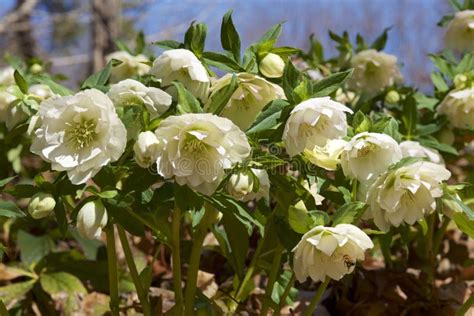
[176, 255]
[431, 221]
[250, 270]
[113, 270]
[141, 291]
[317, 297]
[439, 234]
[271, 279]
[193, 270]
[355, 185]
[285, 294]
[466, 306]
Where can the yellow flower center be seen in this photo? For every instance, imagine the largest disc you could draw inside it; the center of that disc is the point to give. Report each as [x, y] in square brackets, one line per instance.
[82, 133]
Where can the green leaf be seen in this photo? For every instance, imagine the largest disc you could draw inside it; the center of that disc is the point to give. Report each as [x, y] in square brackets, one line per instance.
[272, 34]
[455, 4]
[15, 291]
[99, 79]
[5, 181]
[230, 39]
[349, 213]
[55, 87]
[168, 44]
[3, 309]
[280, 286]
[222, 61]
[64, 286]
[187, 102]
[379, 43]
[33, 248]
[434, 143]
[10, 210]
[466, 64]
[140, 43]
[443, 65]
[20, 82]
[234, 241]
[220, 98]
[410, 115]
[331, 83]
[195, 38]
[299, 219]
[121, 45]
[361, 123]
[464, 224]
[290, 80]
[269, 117]
[22, 190]
[61, 216]
[439, 82]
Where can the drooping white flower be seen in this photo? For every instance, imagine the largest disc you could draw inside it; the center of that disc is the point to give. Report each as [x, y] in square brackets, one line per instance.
[252, 94]
[130, 92]
[415, 149]
[182, 65]
[91, 219]
[314, 122]
[367, 155]
[41, 205]
[6, 97]
[374, 71]
[197, 148]
[6, 76]
[405, 194]
[130, 66]
[79, 134]
[327, 157]
[460, 32]
[242, 184]
[146, 149]
[272, 66]
[329, 252]
[458, 106]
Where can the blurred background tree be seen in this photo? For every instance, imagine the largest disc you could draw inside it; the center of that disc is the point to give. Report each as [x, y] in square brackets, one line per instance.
[67, 32]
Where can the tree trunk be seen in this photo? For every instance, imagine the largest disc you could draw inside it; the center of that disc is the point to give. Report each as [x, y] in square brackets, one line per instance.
[105, 28]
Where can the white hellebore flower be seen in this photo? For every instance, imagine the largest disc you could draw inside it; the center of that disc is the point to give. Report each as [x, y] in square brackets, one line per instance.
[79, 134]
[374, 71]
[405, 194]
[415, 149]
[197, 148]
[460, 32]
[146, 149]
[41, 92]
[130, 66]
[458, 106]
[329, 252]
[6, 97]
[241, 185]
[41, 205]
[327, 157]
[272, 66]
[130, 92]
[91, 219]
[6, 76]
[367, 155]
[252, 94]
[182, 65]
[314, 122]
